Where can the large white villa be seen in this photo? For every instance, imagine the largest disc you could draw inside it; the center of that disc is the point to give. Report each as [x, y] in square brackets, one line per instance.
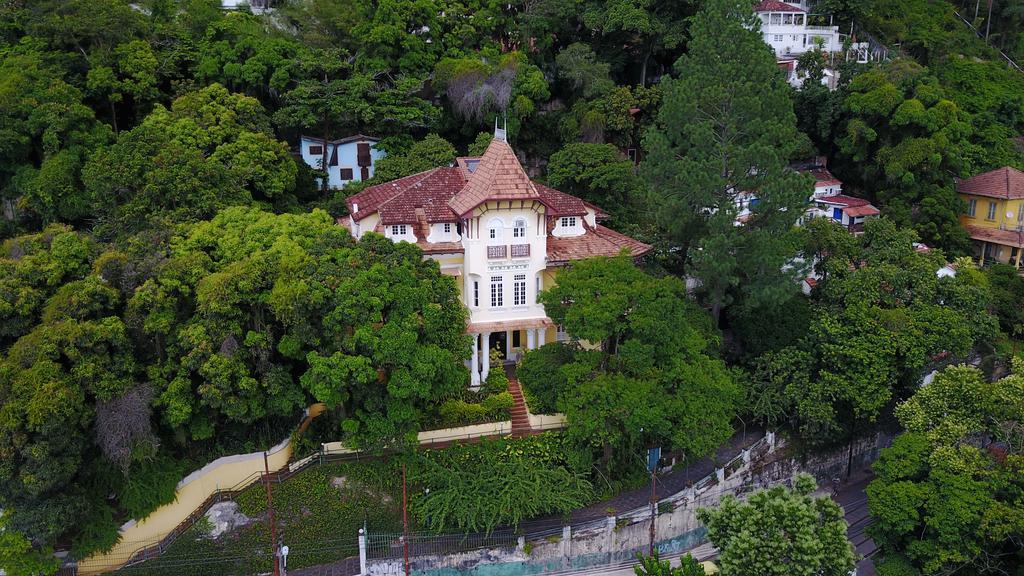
[785, 28]
[502, 235]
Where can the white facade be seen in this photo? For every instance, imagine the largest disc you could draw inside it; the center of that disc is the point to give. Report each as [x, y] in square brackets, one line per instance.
[784, 27]
[348, 160]
[501, 236]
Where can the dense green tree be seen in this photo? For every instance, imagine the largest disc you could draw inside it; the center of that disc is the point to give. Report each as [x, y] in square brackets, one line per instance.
[34, 267]
[903, 140]
[652, 378]
[427, 154]
[254, 313]
[211, 149]
[653, 565]
[879, 317]
[948, 492]
[726, 127]
[598, 173]
[780, 532]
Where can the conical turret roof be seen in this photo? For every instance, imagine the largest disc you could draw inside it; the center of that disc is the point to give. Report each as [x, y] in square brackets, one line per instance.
[498, 176]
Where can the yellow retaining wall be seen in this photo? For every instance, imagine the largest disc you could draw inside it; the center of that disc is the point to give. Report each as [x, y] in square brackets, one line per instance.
[193, 490]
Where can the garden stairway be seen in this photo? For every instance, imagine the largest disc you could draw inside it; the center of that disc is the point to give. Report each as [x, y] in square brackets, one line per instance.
[520, 416]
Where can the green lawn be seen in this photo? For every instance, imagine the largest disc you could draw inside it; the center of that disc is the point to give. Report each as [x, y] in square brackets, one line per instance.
[318, 521]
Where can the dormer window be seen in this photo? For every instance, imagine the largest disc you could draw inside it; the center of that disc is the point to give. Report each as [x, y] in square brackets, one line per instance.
[447, 228]
[568, 222]
[398, 230]
[519, 228]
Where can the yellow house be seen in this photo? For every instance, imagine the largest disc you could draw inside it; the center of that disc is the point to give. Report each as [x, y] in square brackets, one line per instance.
[994, 218]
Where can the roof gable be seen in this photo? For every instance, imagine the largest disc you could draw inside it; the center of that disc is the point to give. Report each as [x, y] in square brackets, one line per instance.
[776, 6]
[498, 176]
[1005, 182]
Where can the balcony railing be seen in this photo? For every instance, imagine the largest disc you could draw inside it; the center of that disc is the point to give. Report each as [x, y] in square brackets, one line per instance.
[520, 250]
[496, 252]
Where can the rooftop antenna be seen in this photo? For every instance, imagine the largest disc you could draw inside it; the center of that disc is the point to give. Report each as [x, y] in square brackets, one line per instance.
[501, 133]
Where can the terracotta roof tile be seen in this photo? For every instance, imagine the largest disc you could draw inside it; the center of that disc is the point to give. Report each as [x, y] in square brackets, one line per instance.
[822, 177]
[498, 176]
[775, 6]
[842, 200]
[1006, 183]
[599, 241]
[560, 203]
[1004, 237]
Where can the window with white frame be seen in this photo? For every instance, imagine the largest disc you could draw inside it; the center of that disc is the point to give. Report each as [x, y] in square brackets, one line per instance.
[494, 229]
[476, 293]
[519, 228]
[519, 290]
[497, 292]
[568, 221]
[778, 37]
[972, 207]
[398, 230]
[991, 210]
[447, 228]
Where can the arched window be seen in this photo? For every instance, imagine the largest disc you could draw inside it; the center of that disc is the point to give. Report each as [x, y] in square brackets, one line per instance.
[495, 228]
[519, 228]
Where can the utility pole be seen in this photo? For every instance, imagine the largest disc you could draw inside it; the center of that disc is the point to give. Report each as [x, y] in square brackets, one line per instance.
[654, 507]
[988, 21]
[405, 522]
[270, 516]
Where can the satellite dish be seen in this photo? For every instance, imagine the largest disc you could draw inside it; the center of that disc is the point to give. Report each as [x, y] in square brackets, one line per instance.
[1009, 214]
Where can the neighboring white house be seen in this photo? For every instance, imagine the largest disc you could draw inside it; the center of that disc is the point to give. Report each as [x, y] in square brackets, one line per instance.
[348, 160]
[785, 28]
[501, 235]
[829, 201]
[257, 6]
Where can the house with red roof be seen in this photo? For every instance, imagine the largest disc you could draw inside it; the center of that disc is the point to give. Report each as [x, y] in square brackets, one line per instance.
[828, 201]
[501, 235]
[994, 215]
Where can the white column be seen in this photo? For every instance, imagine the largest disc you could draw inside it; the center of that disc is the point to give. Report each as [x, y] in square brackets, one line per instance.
[362, 552]
[474, 363]
[486, 355]
[542, 333]
[508, 344]
[531, 339]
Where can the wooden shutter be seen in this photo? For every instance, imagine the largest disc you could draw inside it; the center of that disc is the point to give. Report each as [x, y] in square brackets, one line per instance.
[363, 154]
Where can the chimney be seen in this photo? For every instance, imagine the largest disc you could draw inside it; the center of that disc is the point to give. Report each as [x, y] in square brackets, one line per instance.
[355, 207]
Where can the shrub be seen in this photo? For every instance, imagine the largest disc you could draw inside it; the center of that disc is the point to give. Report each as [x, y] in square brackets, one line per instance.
[497, 381]
[479, 487]
[541, 378]
[458, 412]
[499, 406]
[149, 485]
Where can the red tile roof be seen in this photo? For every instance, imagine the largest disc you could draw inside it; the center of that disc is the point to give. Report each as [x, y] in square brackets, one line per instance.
[858, 211]
[1004, 237]
[499, 176]
[1006, 183]
[842, 200]
[599, 241]
[822, 177]
[431, 194]
[775, 6]
[560, 203]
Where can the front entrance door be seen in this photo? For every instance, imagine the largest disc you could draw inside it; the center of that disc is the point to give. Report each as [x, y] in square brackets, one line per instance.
[498, 340]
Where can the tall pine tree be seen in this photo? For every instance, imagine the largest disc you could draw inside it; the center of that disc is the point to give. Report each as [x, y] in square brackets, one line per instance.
[727, 127]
